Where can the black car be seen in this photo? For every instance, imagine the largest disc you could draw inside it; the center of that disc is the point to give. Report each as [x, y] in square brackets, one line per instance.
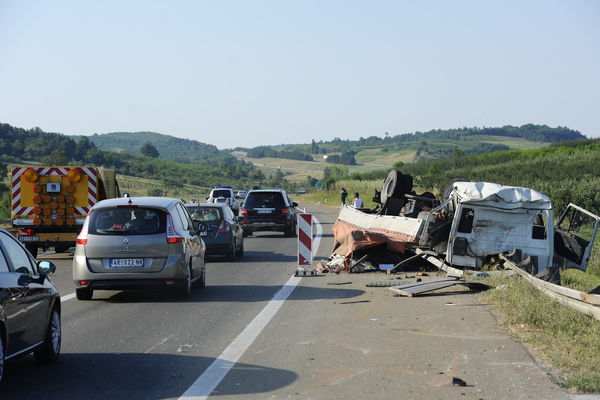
[29, 305]
[219, 228]
[268, 210]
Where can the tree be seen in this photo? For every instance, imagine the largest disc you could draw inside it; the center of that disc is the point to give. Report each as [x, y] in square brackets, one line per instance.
[149, 150]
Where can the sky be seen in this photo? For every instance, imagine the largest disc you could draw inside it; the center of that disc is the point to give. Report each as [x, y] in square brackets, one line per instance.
[248, 73]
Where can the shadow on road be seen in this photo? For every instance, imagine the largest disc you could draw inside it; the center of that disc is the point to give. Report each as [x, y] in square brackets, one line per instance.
[225, 293]
[128, 376]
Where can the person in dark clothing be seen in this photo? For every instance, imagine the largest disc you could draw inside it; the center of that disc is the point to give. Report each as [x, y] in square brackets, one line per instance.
[343, 195]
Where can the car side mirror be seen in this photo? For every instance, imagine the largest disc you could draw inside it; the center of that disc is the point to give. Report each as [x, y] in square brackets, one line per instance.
[294, 204]
[196, 225]
[46, 268]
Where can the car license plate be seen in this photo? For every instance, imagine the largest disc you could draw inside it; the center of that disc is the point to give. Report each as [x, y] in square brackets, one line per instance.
[125, 262]
[203, 233]
[29, 238]
[263, 211]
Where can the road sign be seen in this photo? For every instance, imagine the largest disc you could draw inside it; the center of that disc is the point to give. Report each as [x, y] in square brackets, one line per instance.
[305, 235]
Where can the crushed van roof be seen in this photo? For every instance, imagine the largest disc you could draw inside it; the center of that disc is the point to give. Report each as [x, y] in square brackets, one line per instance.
[499, 196]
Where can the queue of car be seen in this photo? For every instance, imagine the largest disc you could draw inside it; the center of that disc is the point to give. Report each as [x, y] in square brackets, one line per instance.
[128, 243]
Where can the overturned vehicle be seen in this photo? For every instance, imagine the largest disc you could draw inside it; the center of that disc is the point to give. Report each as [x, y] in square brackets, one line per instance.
[472, 222]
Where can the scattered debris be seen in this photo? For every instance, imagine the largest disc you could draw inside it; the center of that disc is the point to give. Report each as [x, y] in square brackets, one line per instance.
[354, 302]
[414, 289]
[339, 283]
[458, 382]
[387, 283]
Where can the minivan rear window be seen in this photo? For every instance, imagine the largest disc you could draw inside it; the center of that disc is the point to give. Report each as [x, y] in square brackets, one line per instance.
[205, 214]
[264, 199]
[127, 221]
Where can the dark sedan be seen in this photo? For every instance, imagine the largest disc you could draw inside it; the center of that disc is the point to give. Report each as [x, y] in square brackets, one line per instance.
[29, 305]
[219, 228]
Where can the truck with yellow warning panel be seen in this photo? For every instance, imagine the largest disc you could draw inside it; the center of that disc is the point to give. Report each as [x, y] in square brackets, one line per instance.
[49, 204]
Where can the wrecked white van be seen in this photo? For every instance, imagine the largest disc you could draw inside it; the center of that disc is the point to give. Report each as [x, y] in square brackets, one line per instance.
[481, 219]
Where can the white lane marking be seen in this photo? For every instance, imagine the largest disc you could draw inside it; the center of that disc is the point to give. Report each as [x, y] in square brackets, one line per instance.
[216, 372]
[67, 297]
[202, 388]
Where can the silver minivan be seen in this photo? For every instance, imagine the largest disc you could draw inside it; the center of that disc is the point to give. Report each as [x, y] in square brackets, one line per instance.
[138, 243]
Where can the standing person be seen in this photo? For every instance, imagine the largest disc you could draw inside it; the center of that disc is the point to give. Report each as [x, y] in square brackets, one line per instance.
[344, 195]
[357, 203]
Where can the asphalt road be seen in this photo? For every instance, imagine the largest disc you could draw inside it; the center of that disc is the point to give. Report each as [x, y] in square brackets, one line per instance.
[331, 338]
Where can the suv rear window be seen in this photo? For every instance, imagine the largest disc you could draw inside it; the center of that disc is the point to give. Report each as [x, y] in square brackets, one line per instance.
[205, 214]
[127, 221]
[264, 199]
[221, 193]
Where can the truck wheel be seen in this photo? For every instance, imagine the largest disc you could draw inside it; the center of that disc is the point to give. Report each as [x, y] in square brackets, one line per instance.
[33, 249]
[393, 186]
[61, 249]
[84, 293]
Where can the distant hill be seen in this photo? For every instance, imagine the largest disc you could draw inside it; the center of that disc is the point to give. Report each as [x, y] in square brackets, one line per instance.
[169, 147]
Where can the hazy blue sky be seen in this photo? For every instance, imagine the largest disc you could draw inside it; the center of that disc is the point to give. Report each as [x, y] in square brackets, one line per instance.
[268, 72]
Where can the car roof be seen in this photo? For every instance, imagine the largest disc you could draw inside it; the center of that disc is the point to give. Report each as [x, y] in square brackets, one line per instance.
[266, 191]
[160, 202]
[213, 205]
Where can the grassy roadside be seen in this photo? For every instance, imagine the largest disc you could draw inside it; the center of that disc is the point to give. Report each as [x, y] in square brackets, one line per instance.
[565, 340]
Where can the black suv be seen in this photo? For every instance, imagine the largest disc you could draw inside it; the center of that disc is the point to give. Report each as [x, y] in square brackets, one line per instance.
[268, 210]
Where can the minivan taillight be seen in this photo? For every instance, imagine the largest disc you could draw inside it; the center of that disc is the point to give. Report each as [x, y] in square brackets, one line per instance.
[172, 236]
[82, 237]
[243, 212]
[224, 227]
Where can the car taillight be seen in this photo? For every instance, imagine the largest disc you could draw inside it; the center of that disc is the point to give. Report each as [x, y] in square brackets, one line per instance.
[172, 236]
[284, 211]
[224, 227]
[243, 212]
[82, 238]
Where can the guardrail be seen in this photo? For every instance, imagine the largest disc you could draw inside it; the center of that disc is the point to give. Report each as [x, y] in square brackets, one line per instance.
[581, 301]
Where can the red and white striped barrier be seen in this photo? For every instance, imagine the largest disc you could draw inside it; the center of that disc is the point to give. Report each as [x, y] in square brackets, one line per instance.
[305, 239]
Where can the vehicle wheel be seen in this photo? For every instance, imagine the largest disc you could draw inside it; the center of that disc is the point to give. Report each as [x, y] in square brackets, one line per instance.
[49, 351]
[247, 233]
[33, 249]
[230, 255]
[1, 358]
[393, 186]
[201, 283]
[61, 249]
[184, 291]
[290, 232]
[84, 293]
[240, 252]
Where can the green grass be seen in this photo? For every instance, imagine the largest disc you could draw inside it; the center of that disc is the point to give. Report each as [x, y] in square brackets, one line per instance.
[564, 339]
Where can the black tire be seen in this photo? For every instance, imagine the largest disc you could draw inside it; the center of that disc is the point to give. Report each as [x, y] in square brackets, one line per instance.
[49, 350]
[393, 186]
[61, 249]
[33, 249]
[2, 356]
[240, 252]
[185, 291]
[201, 283]
[230, 255]
[84, 293]
[246, 233]
[408, 183]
